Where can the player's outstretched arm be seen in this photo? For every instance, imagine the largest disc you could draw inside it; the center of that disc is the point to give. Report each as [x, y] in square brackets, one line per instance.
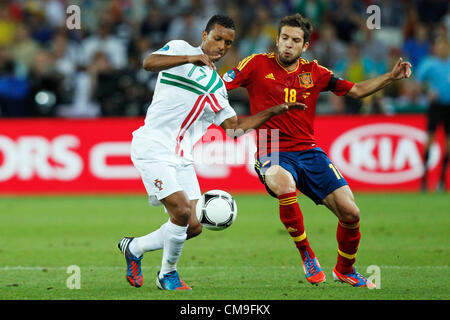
[237, 126]
[365, 88]
[159, 62]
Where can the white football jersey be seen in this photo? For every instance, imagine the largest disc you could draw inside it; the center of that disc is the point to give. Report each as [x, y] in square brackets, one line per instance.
[186, 101]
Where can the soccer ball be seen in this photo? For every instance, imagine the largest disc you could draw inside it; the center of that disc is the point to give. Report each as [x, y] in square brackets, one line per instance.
[216, 210]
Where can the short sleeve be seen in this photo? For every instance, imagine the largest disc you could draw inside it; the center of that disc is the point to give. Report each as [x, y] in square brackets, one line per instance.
[225, 111]
[327, 81]
[173, 48]
[322, 76]
[239, 76]
[339, 86]
[224, 114]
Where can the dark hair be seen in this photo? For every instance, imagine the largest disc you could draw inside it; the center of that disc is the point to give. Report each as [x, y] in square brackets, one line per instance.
[297, 20]
[219, 19]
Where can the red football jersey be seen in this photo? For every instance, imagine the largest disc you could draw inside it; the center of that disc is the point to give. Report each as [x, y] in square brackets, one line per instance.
[269, 84]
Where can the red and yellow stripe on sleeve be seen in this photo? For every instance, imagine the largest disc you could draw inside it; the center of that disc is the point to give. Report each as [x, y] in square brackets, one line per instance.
[244, 62]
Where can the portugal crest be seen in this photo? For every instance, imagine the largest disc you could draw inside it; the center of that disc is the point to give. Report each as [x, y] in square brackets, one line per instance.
[158, 184]
[305, 80]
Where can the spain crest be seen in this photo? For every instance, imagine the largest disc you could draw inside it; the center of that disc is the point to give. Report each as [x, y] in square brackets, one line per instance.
[305, 80]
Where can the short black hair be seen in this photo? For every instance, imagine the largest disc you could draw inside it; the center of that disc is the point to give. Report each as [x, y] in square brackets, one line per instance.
[222, 20]
[297, 20]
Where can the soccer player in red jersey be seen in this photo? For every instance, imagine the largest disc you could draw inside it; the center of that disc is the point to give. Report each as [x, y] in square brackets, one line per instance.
[288, 157]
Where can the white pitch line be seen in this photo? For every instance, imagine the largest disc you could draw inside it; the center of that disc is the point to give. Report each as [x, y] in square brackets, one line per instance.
[39, 268]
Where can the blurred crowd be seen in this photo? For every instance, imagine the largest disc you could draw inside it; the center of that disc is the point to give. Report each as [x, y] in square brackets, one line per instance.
[46, 69]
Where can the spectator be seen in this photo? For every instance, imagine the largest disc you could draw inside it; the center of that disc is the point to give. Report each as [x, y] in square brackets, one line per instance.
[41, 30]
[55, 13]
[237, 14]
[7, 26]
[446, 22]
[392, 12]
[255, 41]
[14, 90]
[209, 7]
[173, 8]
[375, 50]
[269, 28]
[134, 89]
[431, 11]
[155, 26]
[125, 31]
[187, 27]
[313, 9]
[24, 48]
[355, 68]
[144, 79]
[45, 85]
[411, 20]
[346, 20]
[246, 10]
[417, 47]
[82, 104]
[115, 16]
[65, 54]
[440, 31]
[410, 99]
[106, 85]
[105, 41]
[279, 8]
[14, 9]
[328, 49]
[81, 80]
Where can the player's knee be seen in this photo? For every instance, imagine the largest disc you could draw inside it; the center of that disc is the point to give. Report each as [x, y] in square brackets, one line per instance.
[283, 189]
[280, 187]
[350, 213]
[279, 180]
[181, 213]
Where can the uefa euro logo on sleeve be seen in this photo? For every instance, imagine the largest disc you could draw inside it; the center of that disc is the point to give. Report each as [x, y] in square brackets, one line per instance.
[165, 48]
[229, 76]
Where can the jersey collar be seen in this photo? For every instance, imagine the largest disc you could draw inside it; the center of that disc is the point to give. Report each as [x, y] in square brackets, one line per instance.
[296, 68]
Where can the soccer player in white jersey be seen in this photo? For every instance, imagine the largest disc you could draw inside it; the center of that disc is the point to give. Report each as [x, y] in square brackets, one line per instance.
[189, 97]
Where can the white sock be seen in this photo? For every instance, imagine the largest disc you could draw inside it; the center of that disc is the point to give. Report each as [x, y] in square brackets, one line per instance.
[150, 242]
[174, 238]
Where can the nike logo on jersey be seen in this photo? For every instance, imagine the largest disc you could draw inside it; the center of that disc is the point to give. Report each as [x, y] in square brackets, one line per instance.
[270, 76]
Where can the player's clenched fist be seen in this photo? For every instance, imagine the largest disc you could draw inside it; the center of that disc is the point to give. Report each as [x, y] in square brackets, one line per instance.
[401, 70]
[282, 108]
[203, 60]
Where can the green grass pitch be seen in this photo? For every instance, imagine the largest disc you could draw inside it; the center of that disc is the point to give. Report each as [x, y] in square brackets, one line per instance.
[405, 235]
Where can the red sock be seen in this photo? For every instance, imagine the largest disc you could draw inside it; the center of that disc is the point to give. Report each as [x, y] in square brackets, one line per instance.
[348, 237]
[292, 218]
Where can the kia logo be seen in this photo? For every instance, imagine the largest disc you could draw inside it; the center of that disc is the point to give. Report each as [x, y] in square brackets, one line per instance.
[383, 153]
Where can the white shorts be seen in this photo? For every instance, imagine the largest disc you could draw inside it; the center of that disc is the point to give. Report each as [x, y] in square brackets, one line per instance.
[162, 179]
